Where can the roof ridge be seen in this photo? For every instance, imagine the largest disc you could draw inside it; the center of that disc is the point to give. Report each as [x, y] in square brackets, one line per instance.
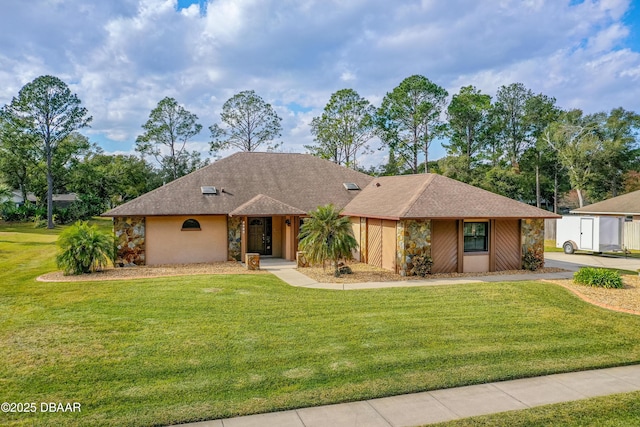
[418, 193]
[263, 196]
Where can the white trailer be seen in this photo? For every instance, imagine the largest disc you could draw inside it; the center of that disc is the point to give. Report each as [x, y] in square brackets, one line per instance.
[589, 233]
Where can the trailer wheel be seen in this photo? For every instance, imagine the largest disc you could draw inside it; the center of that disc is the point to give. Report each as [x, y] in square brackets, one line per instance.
[568, 248]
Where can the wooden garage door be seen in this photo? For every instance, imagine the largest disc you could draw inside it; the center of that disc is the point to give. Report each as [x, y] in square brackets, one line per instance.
[444, 246]
[507, 245]
[374, 242]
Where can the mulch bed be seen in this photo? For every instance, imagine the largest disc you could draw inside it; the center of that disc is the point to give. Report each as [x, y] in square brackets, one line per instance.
[626, 300]
[145, 272]
[367, 273]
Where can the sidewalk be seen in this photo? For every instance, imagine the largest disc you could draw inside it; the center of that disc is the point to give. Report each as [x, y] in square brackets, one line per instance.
[449, 404]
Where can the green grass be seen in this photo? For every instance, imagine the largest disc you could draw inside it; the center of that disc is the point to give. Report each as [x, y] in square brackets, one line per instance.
[170, 350]
[550, 246]
[619, 410]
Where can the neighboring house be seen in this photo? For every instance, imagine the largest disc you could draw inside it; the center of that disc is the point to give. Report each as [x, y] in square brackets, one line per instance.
[18, 200]
[255, 202]
[627, 205]
[59, 200]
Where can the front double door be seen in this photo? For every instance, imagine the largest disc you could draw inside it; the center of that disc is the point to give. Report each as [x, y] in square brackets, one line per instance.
[259, 240]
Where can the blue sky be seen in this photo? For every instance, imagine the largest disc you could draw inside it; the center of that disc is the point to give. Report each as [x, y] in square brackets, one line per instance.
[122, 56]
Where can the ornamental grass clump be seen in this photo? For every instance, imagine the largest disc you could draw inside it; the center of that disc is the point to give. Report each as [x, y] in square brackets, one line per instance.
[598, 277]
[84, 249]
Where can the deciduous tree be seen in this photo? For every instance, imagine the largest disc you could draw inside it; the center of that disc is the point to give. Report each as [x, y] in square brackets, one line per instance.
[577, 141]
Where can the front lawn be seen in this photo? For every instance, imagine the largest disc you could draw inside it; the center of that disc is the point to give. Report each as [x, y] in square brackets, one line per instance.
[618, 410]
[170, 350]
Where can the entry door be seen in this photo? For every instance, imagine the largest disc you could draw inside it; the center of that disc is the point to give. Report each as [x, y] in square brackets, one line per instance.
[586, 233]
[259, 240]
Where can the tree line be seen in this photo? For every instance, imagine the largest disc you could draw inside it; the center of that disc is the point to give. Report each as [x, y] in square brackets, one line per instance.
[518, 144]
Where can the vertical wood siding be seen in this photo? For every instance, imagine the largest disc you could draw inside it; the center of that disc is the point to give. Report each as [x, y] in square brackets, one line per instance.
[374, 244]
[507, 245]
[389, 245]
[444, 246]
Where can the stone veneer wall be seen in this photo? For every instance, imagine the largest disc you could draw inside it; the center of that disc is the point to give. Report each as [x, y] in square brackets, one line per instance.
[234, 230]
[532, 237]
[413, 238]
[130, 240]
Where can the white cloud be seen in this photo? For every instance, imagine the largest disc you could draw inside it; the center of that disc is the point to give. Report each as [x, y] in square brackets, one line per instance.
[123, 56]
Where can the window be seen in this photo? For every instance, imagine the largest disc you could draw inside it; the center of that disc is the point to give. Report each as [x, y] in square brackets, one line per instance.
[476, 237]
[191, 225]
[351, 186]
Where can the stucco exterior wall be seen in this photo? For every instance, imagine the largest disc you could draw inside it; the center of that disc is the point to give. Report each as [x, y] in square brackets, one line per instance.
[532, 234]
[130, 240]
[476, 263]
[167, 243]
[413, 237]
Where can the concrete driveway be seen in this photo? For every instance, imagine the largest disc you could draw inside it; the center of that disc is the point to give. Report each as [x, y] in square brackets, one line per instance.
[574, 261]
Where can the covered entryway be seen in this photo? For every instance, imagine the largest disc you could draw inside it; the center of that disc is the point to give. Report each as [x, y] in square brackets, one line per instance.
[259, 236]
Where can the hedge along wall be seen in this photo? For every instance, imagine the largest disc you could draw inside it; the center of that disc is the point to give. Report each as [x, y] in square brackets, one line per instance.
[532, 237]
[234, 229]
[413, 238]
[130, 240]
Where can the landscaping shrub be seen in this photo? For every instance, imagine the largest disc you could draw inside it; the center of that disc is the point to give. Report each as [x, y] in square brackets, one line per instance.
[533, 259]
[599, 277]
[84, 249]
[421, 265]
[26, 212]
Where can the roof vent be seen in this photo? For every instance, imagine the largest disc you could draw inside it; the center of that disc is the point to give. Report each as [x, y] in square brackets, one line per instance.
[208, 189]
[350, 185]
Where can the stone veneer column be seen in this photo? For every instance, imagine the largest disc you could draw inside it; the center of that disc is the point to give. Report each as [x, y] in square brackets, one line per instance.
[130, 240]
[532, 237]
[234, 230]
[413, 238]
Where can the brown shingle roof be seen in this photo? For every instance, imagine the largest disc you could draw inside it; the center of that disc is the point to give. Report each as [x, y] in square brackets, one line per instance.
[265, 205]
[627, 204]
[301, 181]
[435, 196]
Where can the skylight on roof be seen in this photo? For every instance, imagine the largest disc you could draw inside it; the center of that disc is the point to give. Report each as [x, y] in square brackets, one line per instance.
[350, 185]
[209, 189]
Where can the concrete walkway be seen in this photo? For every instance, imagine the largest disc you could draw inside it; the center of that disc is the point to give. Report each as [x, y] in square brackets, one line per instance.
[574, 261]
[449, 404]
[287, 272]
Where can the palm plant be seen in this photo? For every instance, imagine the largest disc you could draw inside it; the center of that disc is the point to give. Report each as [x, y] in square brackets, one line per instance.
[5, 194]
[84, 249]
[326, 235]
